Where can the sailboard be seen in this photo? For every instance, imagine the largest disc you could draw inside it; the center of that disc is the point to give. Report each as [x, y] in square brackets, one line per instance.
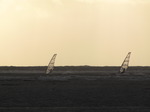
[51, 65]
[125, 63]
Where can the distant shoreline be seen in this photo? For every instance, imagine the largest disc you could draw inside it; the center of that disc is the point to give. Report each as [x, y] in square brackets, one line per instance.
[73, 66]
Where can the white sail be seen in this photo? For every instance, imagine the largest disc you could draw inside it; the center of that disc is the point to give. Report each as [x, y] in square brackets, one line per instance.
[51, 65]
[125, 63]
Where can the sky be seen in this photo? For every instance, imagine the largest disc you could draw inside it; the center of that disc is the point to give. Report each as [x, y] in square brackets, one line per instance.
[80, 32]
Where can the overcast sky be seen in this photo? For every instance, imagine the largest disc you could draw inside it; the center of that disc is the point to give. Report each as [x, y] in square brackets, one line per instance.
[81, 32]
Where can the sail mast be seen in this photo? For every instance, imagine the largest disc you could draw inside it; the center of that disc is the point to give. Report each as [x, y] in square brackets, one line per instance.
[125, 63]
[51, 65]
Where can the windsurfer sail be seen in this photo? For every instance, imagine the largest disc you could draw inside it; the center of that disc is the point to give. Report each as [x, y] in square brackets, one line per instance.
[51, 65]
[125, 63]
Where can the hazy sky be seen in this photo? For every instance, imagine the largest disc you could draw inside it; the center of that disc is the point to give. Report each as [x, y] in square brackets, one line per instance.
[81, 32]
